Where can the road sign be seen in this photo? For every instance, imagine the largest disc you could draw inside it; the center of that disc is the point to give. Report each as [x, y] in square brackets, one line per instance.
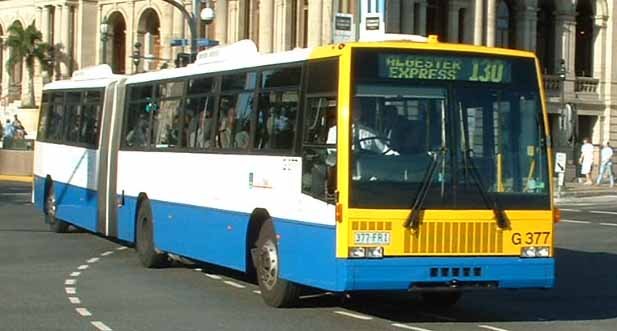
[343, 28]
[560, 162]
[200, 42]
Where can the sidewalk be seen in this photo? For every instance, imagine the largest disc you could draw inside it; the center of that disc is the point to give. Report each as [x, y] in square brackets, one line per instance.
[579, 190]
[23, 179]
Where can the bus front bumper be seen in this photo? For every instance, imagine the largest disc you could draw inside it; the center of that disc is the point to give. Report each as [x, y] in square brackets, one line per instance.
[407, 273]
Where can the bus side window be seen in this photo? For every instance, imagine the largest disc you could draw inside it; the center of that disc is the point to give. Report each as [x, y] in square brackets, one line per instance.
[319, 151]
[276, 121]
[138, 125]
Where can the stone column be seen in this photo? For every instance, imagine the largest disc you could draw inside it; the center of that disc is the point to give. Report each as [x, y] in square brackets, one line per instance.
[393, 16]
[565, 42]
[67, 34]
[407, 16]
[491, 22]
[220, 22]
[315, 15]
[326, 22]
[45, 21]
[422, 18]
[527, 18]
[478, 22]
[57, 35]
[233, 23]
[599, 44]
[453, 23]
[266, 25]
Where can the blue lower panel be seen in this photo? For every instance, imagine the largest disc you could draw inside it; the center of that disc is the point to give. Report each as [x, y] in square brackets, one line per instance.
[75, 205]
[204, 234]
[307, 253]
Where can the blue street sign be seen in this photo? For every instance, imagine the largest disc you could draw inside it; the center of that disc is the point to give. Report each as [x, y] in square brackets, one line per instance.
[200, 42]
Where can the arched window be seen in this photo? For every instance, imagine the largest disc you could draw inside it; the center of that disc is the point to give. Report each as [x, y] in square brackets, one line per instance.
[149, 36]
[584, 38]
[118, 43]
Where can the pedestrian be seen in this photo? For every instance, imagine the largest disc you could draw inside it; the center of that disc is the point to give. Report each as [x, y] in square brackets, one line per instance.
[9, 134]
[586, 160]
[606, 164]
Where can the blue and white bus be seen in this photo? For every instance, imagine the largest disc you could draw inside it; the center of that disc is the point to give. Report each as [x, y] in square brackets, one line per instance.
[345, 167]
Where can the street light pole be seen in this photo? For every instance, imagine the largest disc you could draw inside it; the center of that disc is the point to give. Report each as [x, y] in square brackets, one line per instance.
[192, 18]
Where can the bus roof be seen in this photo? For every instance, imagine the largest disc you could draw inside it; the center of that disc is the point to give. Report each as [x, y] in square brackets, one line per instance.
[240, 55]
[90, 77]
[244, 54]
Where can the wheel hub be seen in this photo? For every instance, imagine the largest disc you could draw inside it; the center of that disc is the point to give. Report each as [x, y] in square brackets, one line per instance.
[269, 264]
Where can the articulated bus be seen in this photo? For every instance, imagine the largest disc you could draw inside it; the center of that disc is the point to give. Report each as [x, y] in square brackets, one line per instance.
[409, 165]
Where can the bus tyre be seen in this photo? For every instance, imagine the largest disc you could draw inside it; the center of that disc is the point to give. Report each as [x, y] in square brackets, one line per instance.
[148, 255]
[55, 225]
[441, 299]
[276, 292]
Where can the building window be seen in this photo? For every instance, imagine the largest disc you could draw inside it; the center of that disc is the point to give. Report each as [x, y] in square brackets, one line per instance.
[584, 39]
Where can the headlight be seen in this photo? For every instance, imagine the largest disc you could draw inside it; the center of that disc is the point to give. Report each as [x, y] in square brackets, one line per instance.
[366, 252]
[357, 252]
[543, 251]
[535, 251]
[528, 252]
[374, 252]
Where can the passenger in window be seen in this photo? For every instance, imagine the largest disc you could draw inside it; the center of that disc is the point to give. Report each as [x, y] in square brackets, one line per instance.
[226, 128]
[137, 136]
[242, 137]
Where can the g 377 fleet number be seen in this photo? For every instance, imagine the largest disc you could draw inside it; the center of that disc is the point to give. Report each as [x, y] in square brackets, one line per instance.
[531, 238]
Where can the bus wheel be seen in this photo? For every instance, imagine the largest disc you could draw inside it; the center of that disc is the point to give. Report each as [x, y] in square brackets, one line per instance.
[276, 292]
[145, 239]
[442, 299]
[55, 225]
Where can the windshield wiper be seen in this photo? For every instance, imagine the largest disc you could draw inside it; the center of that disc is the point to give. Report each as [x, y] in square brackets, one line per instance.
[413, 220]
[502, 219]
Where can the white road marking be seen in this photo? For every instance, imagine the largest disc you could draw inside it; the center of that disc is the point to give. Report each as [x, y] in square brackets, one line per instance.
[574, 210]
[213, 276]
[107, 253]
[437, 316]
[70, 290]
[609, 224]
[75, 274]
[408, 327]
[603, 212]
[74, 300]
[257, 291]
[319, 295]
[121, 248]
[93, 260]
[234, 284]
[488, 327]
[577, 222]
[83, 312]
[70, 282]
[83, 267]
[198, 269]
[358, 316]
[101, 326]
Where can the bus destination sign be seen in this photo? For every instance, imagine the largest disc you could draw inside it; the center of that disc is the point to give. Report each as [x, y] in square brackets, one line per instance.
[471, 69]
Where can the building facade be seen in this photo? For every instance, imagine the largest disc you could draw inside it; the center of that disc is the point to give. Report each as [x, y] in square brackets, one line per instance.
[573, 38]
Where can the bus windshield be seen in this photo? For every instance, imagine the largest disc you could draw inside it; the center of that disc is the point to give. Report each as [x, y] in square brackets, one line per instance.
[467, 113]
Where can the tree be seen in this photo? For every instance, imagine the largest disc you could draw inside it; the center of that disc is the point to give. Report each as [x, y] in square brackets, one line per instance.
[26, 45]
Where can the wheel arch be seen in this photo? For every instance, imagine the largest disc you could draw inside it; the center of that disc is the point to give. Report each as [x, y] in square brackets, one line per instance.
[141, 197]
[257, 219]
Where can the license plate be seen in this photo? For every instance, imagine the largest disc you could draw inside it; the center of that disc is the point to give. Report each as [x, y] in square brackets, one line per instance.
[372, 238]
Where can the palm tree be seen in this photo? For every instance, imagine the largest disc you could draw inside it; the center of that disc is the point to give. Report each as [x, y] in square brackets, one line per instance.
[26, 45]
